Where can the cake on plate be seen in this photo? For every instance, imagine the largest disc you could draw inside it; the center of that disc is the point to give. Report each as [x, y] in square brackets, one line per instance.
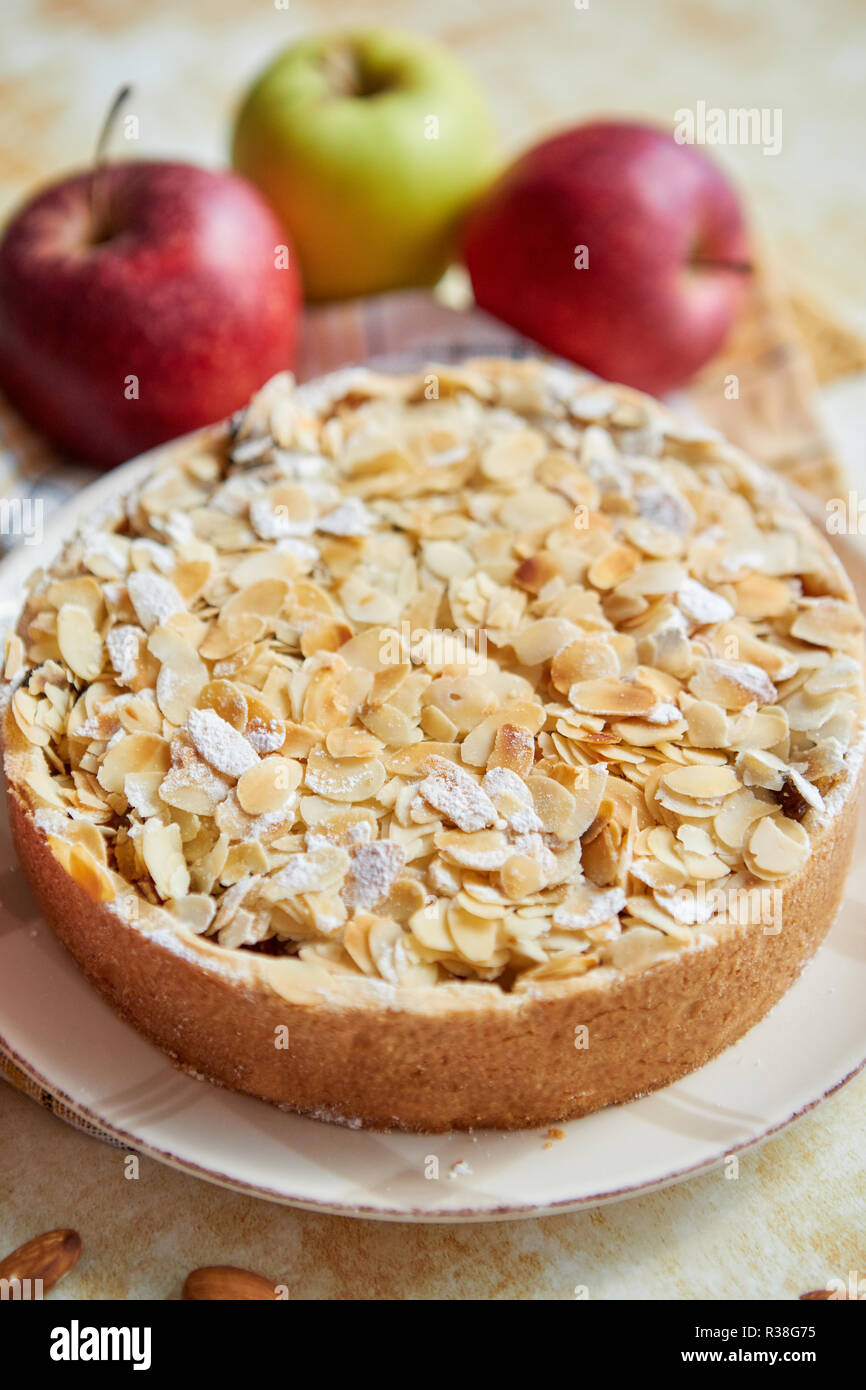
[475, 746]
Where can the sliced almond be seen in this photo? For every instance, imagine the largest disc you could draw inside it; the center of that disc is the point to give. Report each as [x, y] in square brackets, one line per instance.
[227, 700]
[268, 785]
[134, 753]
[372, 873]
[611, 698]
[829, 622]
[732, 685]
[343, 779]
[352, 743]
[485, 850]
[777, 848]
[474, 937]
[79, 642]
[521, 877]
[162, 851]
[584, 659]
[703, 783]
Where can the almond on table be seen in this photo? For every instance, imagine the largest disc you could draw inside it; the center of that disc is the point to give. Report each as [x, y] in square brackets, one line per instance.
[46, 1258]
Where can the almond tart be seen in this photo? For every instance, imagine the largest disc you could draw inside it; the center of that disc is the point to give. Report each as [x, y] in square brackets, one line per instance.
[478, 746]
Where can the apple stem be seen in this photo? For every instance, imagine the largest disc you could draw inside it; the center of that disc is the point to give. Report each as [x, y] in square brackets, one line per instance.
[98, 210]
[340, 67]
[740, 267]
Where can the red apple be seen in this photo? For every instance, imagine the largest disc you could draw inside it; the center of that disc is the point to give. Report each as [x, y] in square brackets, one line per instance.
[666, 259]
[159, 307]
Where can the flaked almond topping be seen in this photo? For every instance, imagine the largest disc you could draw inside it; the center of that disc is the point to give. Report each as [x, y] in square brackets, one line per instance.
[265, 735]
[800, 794]
[134, 753]
[732, 685]
[345, 778]
[514, 749]
[663, 713]
[829, 622]
[352, 743]
[583, 660]
[481, 686]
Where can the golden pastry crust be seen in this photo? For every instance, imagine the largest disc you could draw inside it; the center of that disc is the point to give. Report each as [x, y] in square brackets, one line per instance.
[326, 863]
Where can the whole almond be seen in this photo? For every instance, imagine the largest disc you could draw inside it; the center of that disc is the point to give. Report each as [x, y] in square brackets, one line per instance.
[226, 1283]
[47, 1257]
[837, 1297]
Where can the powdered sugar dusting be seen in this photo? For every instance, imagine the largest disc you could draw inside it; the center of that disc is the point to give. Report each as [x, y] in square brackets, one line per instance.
[663, 713]
[304, 872]
[372, 873]
[104, 545]
[219, 744]
[153, 597]
[447, 788]
[512, 798]
[701, 605]
[589, 907]
[351, 518]
[124, 646]
[265, 737]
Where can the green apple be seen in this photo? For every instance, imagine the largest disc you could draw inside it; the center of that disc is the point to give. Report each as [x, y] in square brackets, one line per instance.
[370, 146]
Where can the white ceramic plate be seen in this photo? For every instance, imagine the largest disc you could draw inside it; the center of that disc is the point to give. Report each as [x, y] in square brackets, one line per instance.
[58, 1030]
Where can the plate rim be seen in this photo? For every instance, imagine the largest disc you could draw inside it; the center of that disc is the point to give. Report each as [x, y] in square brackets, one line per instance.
[414, 1216]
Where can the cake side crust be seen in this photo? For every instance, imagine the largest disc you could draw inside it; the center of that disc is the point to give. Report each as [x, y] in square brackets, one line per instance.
[511, 1065]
